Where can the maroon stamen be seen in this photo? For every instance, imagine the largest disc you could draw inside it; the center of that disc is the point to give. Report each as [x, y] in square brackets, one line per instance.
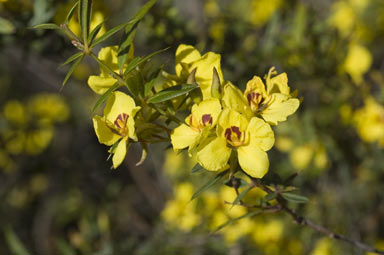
[207, 119]
[121, 119]
[237, 131]
[253, 96]
[227, 134]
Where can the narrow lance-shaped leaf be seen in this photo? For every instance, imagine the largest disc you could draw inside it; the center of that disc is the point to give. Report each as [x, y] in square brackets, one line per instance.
[249, 214]
[172, 92]
[94, 33]
[130, 31]
[109, 33]
[294, 198]
[46, 26]
[241, 195]
[144, 154]
[72, 58]
[15, 245]
[122, 54]
[140, 14]
[138, 60]
[71, 69]
[71, 12]
[148, 87]
[85, 12]
[270, 196]
[105, 96]
[209, 184]
[197, 168]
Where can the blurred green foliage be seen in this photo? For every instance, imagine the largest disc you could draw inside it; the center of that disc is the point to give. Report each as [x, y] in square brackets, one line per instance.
[59, 196]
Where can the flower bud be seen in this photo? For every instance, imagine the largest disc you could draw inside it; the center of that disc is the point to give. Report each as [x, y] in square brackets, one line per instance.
[216, 90]
[195, 94]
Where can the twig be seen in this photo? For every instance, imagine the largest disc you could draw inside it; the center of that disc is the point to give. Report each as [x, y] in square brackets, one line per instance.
[305, 222]
[300, 220]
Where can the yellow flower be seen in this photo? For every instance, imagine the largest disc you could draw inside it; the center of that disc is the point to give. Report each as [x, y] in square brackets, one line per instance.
[49, 108]
[187, 59]
[202, 119]
[117, 126]
[262, 10]
[369, 121]
[272, 102]
[251, 139]
[357, 62]
[101, 83]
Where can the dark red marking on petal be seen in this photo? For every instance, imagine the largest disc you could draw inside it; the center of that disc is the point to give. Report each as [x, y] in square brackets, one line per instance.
[121, 120]
[237, 131]
[207, 119]
[227, 134]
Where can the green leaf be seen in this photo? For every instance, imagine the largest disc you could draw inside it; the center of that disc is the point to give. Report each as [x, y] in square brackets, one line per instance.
[130, 31]
[46, 26]
[72, 58]
[6, 27]
[249, 214]
[123, 51]
[241, 195]
[236, 182]
[270, 196]
[148, 87]
[94, 33]
[108, 34]
[14, 243]
[140, 14]
[71, 69]
[139, 60]
[105, 96]
[85, 13]
[209, 184]
[71, 12]
[197, 168]
[294, 198]
[172, 92]
[64, 248]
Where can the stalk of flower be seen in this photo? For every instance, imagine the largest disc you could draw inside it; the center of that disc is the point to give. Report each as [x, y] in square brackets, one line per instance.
[102, 82]
[273, 102]
[189, 58]
[249, 138]
[117, 126]
[199, 123]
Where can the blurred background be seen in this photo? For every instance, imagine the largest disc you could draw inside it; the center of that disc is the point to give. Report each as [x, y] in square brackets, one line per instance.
[59, 195]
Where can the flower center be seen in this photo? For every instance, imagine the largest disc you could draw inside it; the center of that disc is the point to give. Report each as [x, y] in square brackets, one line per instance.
[234, 136]
[206, 119]
[121, 124]
[254, 100]
[194, 123]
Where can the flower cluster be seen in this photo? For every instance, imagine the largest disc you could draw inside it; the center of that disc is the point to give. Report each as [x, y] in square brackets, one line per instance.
[229, 124]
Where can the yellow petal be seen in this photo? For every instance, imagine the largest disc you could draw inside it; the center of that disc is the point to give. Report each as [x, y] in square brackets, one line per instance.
[185, 54]
[183, 136]
[261, 133]
[279, 84]
[229, 118]
[279, 108]
[100, 84]
[213, 154]
[256, 85]
[233, 98]
[103, 133]
[253, 160]
[119, 103]
[210, 106]
[108, 55]
[204, 72]
[119, 153]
